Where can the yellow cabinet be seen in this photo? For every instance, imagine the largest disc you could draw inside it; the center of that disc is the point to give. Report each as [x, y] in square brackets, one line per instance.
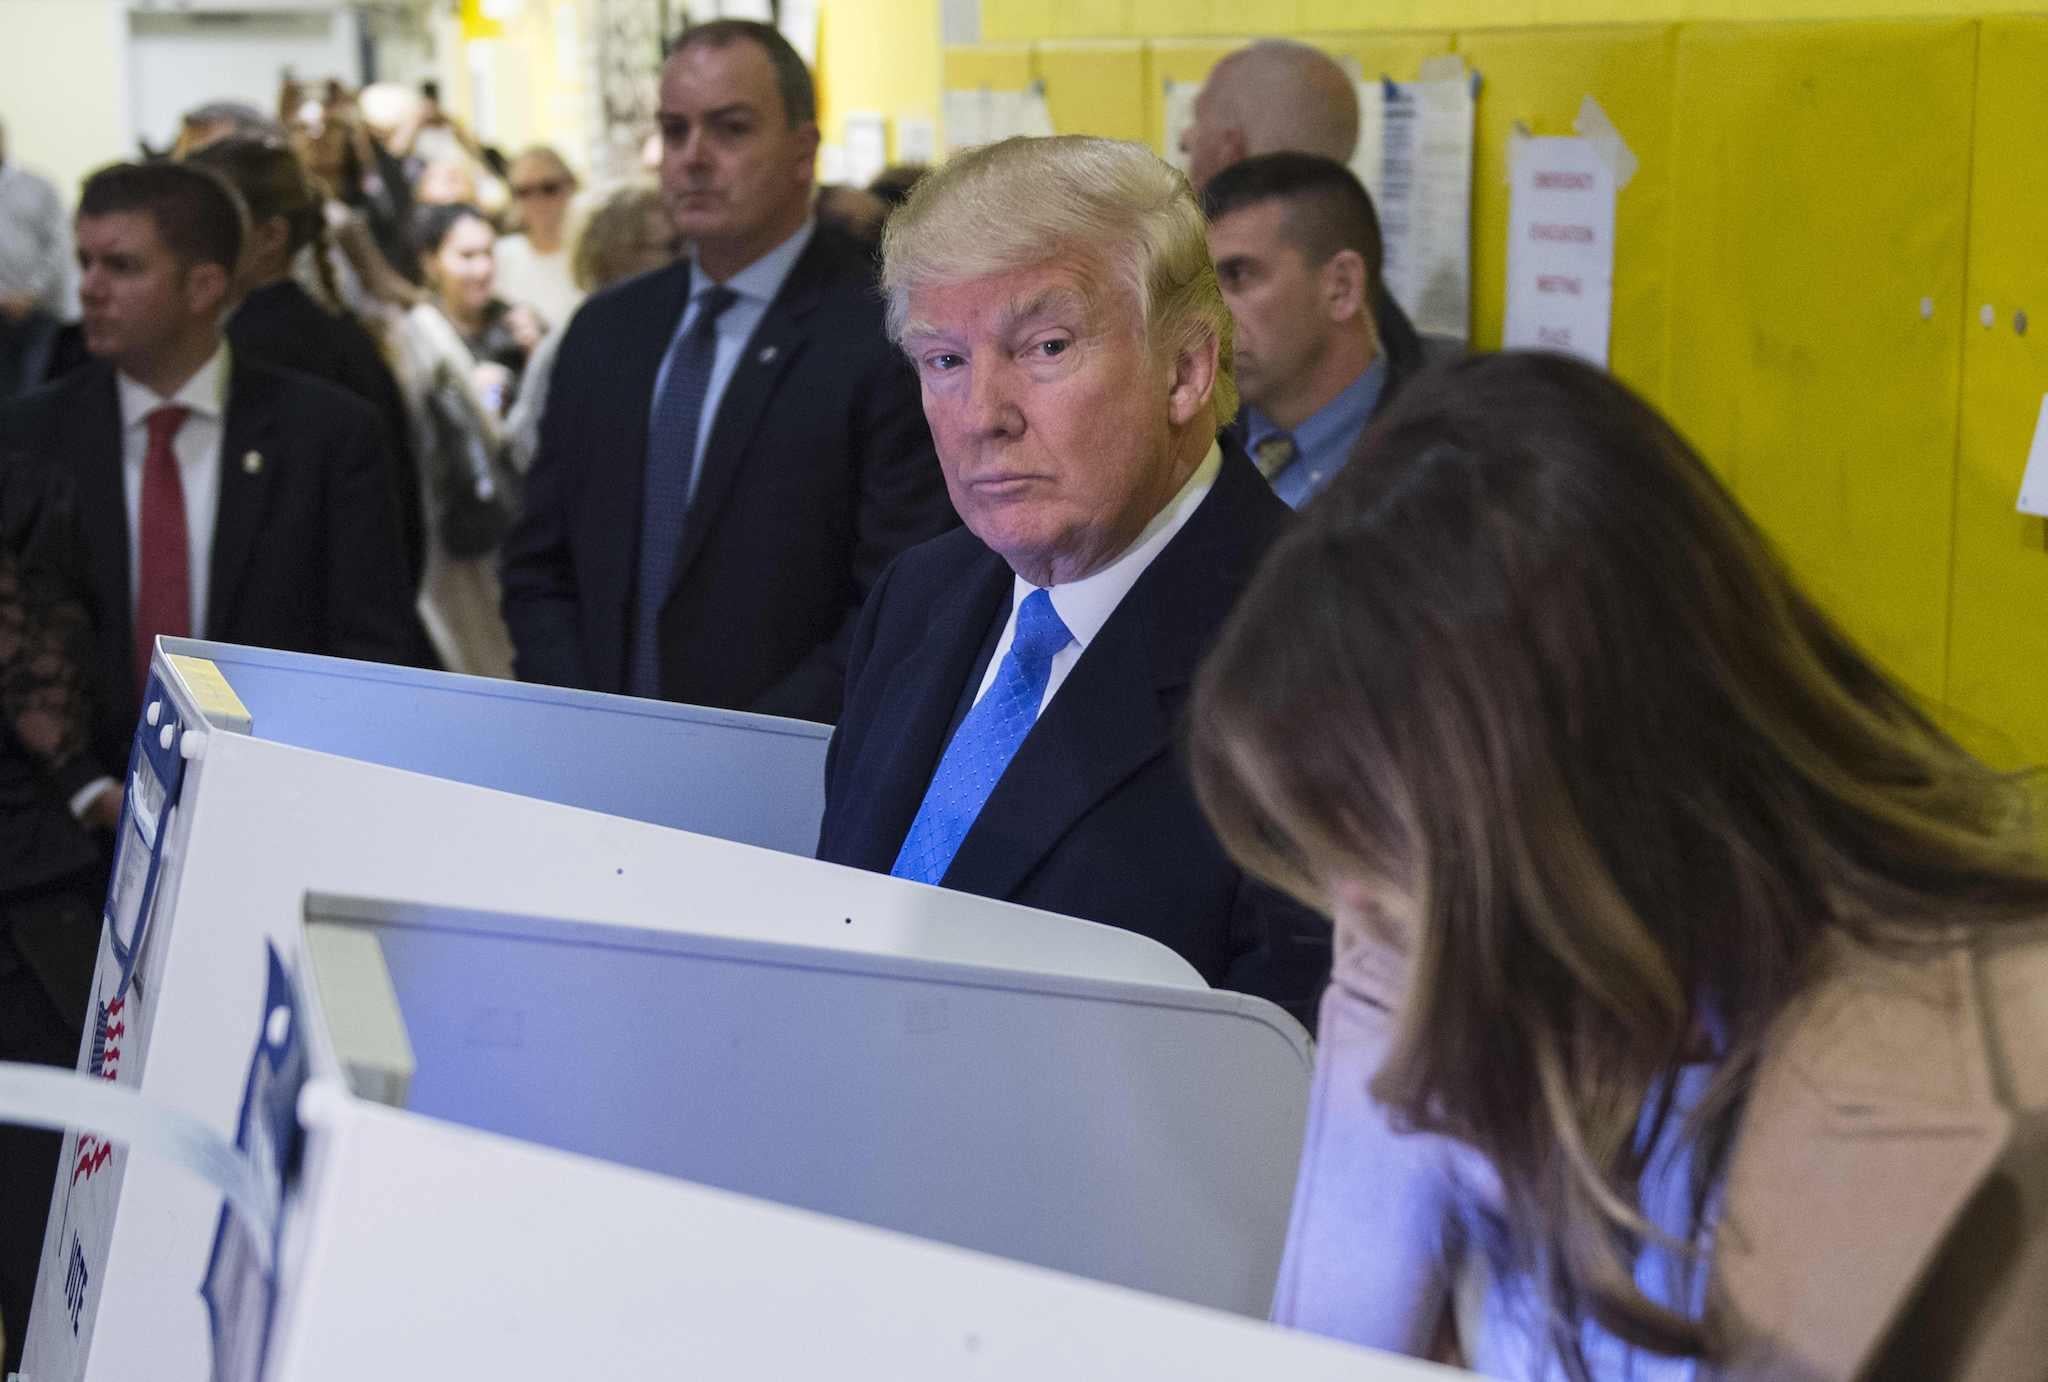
[1998, 624]
[1819, 232]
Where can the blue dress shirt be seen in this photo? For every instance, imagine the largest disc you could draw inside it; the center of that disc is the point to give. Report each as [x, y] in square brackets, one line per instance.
[1324, 440]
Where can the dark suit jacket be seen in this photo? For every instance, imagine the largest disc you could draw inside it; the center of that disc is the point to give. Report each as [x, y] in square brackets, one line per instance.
[280, 325]
[305, 546]
[47, 689]
[1095, 816]
[817, 471]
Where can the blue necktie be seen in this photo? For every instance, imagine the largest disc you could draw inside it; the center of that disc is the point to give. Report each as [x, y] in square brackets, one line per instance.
[671, 466]
[984, 744]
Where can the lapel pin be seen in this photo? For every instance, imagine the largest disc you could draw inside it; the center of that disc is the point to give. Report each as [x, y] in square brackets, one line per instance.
[767, 355]
[252, 462]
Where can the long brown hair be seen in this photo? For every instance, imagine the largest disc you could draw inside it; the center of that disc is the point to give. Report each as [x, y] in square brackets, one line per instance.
[1528, 665]
[275, 182]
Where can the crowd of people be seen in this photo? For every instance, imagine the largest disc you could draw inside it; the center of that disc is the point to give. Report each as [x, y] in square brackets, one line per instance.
[1678, 983]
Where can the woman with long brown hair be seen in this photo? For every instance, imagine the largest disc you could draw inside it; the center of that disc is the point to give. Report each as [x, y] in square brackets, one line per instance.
[1690, 1015]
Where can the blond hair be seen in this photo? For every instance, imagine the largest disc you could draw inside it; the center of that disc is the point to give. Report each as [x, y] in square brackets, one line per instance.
[1025, 202]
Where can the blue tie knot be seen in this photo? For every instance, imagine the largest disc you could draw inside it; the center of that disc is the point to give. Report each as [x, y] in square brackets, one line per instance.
[1040, 634]
[712, 305]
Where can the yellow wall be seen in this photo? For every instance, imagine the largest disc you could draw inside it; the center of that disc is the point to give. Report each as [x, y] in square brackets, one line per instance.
[878, 56]
[64, 117]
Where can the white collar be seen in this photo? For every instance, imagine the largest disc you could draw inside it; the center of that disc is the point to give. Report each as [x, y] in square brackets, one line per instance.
[1084, 606]
[205, 393]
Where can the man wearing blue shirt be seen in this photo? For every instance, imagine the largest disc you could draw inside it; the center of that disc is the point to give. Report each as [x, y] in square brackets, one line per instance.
[1297, 250]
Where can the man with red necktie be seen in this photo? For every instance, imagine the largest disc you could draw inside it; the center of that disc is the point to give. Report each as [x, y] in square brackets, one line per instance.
[219, 498]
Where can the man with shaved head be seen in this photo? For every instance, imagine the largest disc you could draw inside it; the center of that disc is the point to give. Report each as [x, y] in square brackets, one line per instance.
[1275, 96]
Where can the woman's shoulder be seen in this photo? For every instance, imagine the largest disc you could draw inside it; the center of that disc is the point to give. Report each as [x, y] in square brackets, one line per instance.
[1958, 1022]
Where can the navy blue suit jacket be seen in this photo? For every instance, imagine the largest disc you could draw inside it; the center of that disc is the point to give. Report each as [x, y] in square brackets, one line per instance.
[817, 471]
[1095, 816]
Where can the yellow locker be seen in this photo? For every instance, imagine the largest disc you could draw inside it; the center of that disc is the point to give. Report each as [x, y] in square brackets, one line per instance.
[1820, 214]
[1998, 611]
[997, 66]
[1211, 18]
[1536, 79]
[1094, 88]
[1398, 54]
[1012, 21]
[1084, 19]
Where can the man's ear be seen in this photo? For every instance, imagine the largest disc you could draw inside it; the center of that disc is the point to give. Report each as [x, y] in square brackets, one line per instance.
[1192, 384]
[1346, 286]
[207, 286]
[1236, 148]
[807, 152]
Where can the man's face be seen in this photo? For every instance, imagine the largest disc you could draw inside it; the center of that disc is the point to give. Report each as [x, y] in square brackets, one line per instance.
[1276, 298]
[1212, 143]
[1051, 414]
[733, 173]
[136, 296]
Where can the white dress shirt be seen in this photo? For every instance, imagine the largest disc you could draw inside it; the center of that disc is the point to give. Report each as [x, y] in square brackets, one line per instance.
[198, 449]
[1084, 606]
[197, 446]
[756, 285]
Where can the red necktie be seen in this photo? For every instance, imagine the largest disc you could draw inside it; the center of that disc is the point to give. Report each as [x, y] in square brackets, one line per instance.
[163, 594]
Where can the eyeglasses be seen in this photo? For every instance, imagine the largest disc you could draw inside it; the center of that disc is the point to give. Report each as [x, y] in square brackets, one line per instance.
[547, 187]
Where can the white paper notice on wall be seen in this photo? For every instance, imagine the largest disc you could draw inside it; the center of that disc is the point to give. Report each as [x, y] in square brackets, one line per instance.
[1180, 114]
[917, 139]
[2034, 484]
[867, 147]
[1560, 248]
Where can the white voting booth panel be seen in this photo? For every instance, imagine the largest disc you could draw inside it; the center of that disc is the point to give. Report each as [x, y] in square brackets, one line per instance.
[258, 823]
[432, 1251]
[752, 778]
[1134, 1133]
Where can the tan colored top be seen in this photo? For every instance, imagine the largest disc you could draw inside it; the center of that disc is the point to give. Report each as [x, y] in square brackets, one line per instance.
[1885, 1213]
[1887, 1199]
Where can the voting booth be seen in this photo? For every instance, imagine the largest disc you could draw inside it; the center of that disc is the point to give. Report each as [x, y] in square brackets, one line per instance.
[573, 1022]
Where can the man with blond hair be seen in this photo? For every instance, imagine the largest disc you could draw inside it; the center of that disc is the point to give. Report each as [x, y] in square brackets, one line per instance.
[1015, 690]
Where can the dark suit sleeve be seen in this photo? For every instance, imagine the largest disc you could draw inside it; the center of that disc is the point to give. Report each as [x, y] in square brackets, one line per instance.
[369, 600]
[901, 502]
[860, 642]
[365, 374]
[1281, 950]
[538, 571]
[46, 636]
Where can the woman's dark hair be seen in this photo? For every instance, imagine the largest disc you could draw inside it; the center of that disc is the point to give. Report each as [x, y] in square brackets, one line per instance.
[431, 224]
[1527, 668]
[274, 183]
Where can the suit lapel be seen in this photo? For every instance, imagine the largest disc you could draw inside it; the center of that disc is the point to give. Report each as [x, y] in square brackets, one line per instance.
[616, 486]
[918, 704]
[1868, 1134]
[245, 488]
[777, 341]
[1112, 716]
